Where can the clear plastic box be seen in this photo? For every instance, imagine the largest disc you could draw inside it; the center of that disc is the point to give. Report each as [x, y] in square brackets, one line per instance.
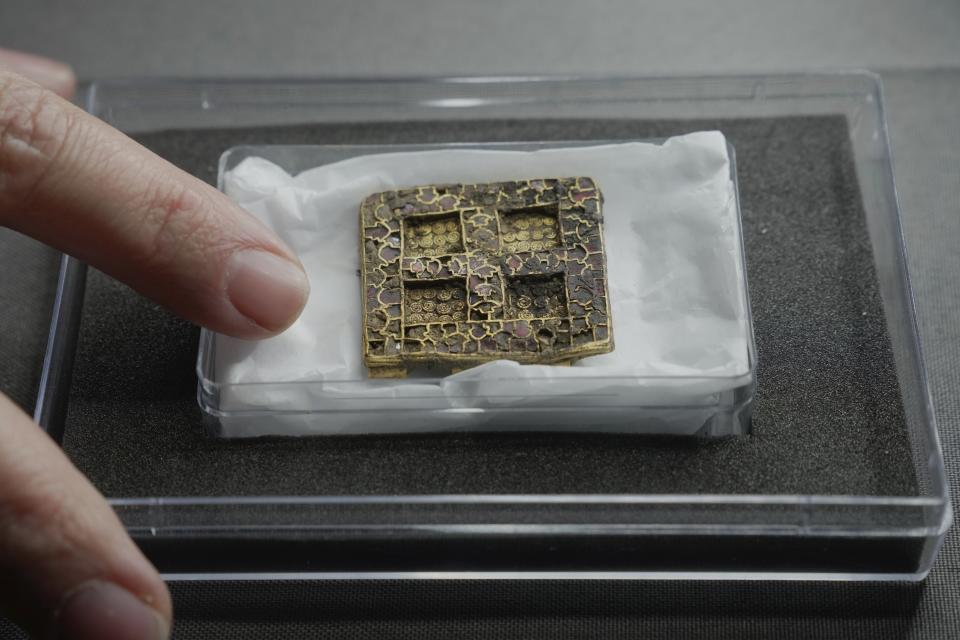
[707, 405]
[627, 535]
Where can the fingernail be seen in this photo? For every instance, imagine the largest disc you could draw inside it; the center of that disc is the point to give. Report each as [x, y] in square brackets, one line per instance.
[267, 289]
[99, 609]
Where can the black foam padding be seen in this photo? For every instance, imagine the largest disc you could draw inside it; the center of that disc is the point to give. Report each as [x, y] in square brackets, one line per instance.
[558, 609]
[828, 416]
[27, 288]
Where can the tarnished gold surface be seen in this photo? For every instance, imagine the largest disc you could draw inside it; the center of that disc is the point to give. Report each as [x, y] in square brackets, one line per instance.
[457, 275]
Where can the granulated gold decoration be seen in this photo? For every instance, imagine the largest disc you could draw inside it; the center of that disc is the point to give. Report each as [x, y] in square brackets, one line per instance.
[461, 274]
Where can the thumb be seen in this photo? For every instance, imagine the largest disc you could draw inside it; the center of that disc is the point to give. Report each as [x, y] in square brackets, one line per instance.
[67, 567]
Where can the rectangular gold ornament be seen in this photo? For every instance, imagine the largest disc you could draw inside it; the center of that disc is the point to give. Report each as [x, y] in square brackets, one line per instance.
[460, 274]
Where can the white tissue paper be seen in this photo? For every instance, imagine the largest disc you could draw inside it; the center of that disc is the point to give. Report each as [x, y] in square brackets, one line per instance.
[678, 299]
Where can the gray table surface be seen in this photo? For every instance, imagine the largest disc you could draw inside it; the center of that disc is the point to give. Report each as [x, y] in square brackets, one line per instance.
[915, 46]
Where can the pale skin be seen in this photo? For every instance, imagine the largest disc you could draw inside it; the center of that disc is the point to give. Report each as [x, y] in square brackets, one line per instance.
[67, 567]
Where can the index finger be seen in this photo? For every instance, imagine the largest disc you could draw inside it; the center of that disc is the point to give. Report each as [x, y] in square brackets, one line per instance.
[73, 182]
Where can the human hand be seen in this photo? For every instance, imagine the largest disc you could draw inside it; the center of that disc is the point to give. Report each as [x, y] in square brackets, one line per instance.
[67, 567]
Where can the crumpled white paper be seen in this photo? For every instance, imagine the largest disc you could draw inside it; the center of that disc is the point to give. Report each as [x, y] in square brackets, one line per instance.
[674, 268]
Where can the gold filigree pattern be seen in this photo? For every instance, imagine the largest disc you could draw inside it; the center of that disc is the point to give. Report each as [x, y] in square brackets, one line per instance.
[433, 236]
[434, 301]
[461, 274]
[536, 297]
[533, 229]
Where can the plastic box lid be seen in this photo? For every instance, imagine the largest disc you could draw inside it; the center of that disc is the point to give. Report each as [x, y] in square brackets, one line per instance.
[633, 535]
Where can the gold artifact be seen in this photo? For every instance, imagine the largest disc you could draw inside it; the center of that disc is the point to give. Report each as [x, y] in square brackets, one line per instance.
[460, 274]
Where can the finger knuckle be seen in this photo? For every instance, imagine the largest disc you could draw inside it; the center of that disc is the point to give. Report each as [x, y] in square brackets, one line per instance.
[34, 129]
[44, 507]
[175, 214]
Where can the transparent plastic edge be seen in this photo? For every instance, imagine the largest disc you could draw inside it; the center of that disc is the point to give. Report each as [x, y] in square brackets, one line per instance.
[725, 576]
[935, 461]
[108, 84]
[483, 514]
[52, 337]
